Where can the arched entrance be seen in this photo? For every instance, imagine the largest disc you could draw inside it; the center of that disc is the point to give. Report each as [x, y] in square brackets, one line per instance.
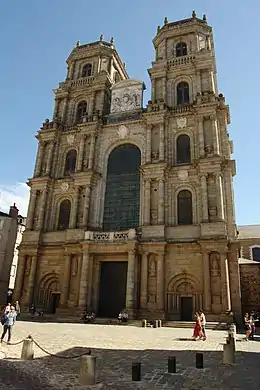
[122, 196]
[48, 293]
[184, 296]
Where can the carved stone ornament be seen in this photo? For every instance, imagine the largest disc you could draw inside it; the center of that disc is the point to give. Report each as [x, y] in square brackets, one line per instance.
[183, 175]
[70, 139]
[64, 187]
[123, 132]
[181, 123]
[127, 95]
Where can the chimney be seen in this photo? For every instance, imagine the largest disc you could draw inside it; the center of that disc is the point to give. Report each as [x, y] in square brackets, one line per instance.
[13, 212]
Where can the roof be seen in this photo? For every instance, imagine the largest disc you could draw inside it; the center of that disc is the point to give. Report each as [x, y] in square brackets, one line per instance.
[241, 260]
[248, 231]
[2, 214]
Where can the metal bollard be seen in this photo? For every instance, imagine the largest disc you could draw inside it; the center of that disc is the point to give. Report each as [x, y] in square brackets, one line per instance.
[172, 365]
[28, 349]
[144, 323]
[87, 371]
[199, 360]
[136, 372]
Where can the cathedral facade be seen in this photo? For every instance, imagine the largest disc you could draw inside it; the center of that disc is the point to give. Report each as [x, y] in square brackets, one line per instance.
[131, 207]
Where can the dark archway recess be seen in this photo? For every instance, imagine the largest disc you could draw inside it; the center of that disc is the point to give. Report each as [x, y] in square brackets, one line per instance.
[122, 196]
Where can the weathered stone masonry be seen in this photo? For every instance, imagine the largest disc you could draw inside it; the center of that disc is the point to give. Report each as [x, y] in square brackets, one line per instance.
[174, 222]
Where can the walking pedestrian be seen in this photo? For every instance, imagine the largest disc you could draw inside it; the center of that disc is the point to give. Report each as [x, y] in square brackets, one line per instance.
[8, 323]
[17, 309]
[203, 323]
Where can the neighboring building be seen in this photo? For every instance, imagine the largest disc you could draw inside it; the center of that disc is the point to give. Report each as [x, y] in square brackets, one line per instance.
[8, 232]
[249, 265]
[131, 207]
[21, 221]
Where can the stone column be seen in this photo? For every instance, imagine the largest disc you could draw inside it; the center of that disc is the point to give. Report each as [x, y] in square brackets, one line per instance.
[102, 102]
[90, 280]
[198, 81]
[83, 285]
[161, 145]
[144, 281]
[86, 206]
[234, 281]
[160, 281]
[201, 137]
[64, 110]
[215, 137]
[31, 281]
[225, 290]
[161, 203]
[92, 104]
[219, 195]
[206, 282]
[66, 281]
[153, 97]
[31, 209]
[81, 154]
[130, 284]
[42, 209]
[148, 143]
[19, 278]
[92, 151]
[50, 157]
[74, 214]
[96, 273]
[147, 201]
[40, 152]
[229, 195]
[204, 198]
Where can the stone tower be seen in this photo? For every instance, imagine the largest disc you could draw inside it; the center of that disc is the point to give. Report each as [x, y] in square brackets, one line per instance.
[133, 207]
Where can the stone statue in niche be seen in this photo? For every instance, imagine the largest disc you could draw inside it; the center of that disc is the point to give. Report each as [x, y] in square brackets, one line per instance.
[74, 265]
[215, 264]
[28, 265]
[152, 266]
[155, 155]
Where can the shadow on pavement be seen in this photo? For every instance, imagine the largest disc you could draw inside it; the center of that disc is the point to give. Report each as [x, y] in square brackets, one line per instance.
[114, 370]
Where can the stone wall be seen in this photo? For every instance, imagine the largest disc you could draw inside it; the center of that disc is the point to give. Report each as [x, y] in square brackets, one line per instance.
[250, 286]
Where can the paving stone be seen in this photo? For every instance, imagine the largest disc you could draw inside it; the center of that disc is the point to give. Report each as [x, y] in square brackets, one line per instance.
[116, 349]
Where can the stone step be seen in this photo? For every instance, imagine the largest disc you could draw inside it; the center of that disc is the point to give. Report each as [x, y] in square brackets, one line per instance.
[113, 321]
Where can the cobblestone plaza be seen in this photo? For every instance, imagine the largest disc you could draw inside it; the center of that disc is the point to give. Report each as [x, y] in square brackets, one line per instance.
[116, 348]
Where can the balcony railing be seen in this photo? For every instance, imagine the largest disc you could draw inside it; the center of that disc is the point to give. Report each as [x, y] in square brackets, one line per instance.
[179, 61]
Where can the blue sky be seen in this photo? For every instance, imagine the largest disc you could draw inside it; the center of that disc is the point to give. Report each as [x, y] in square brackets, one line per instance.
[38, 35]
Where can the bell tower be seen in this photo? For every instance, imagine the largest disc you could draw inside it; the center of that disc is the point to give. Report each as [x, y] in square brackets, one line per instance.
[183, 80]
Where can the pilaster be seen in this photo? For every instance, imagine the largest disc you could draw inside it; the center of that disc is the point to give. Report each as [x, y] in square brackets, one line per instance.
[206, 282]
[219, 195]
[201, 137]
[66, 281]
[161, 203]
[83, 285]
[39, 157]
[92, 151]
[19, 277]
[160, 281]
[161, 145]
[204, 198]
[42, 209]
[148, 143]
[50, 157]
[31, 281]
[31, 209]
[74, 214]
[86, 206]
[80, 154]
[144, 281]
[130, 284]
[215, 137]
[225, 291]
[147, 201]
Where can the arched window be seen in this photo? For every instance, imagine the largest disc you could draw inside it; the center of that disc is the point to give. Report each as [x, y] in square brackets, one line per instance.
[81, 111]
[87, 70]
[256, 253]
[184, 204]
[183, 149]
[122, 196]
[70, 163]
[183, 93]
[181, 49]
[64, 215]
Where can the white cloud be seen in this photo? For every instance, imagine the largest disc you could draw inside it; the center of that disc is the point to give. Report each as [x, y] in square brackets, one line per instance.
[18, 194]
